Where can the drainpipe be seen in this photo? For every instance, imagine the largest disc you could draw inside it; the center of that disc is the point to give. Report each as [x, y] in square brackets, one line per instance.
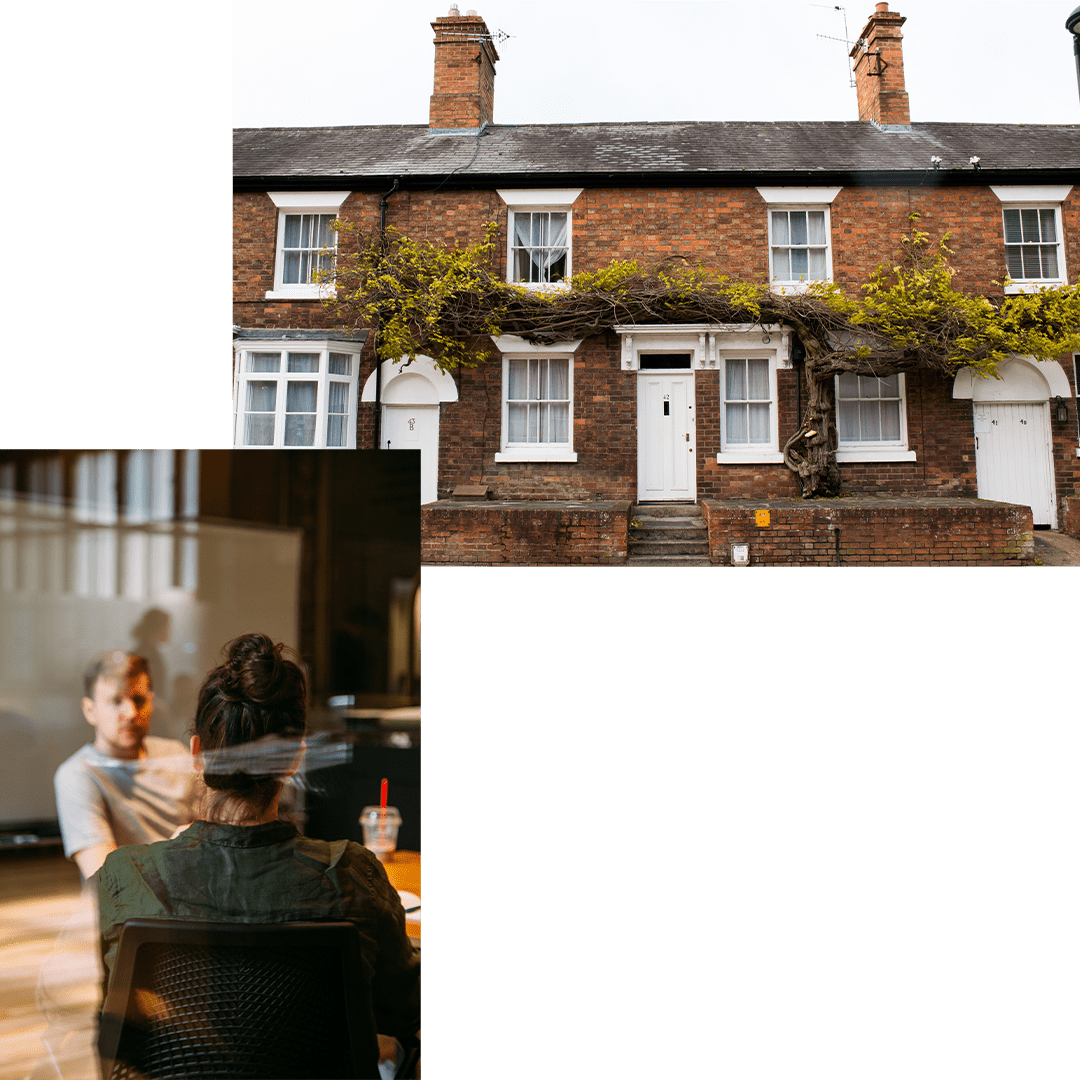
[378, 362]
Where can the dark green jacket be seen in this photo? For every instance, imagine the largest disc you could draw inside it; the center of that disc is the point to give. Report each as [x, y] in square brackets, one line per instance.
[269, 873]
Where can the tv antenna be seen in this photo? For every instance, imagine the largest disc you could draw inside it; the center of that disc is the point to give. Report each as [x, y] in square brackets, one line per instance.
[848, 43]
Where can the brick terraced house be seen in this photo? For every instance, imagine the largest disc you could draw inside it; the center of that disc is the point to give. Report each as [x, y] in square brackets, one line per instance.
[583, 451]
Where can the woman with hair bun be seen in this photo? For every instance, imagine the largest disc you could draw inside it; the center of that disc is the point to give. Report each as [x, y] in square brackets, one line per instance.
[240, 862]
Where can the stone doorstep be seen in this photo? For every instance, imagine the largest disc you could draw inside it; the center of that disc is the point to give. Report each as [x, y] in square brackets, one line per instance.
[666, 510]
[656, 529]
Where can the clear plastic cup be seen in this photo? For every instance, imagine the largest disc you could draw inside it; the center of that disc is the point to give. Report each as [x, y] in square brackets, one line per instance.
[380, 830]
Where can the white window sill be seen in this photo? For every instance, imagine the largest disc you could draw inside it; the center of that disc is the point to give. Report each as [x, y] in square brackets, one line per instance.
[795, 288]
[866, 453]
[301, 292]
[1078, 451]
[536, 453]
[1016, 287]
[544, 286]
[750, 457]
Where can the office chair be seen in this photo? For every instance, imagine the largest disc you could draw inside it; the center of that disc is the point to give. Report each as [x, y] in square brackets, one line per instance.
[231, 1000]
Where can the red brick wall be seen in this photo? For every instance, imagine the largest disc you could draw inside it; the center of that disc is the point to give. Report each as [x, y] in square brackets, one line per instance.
[725, 229]
[949, 532]
[531, 534]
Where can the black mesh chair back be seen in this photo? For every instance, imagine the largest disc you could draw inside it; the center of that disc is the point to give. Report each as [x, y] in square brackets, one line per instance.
[190, 999]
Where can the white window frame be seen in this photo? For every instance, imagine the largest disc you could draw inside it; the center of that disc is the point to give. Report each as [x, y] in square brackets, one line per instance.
[540, 200]
[1034, 197]
[516, 348]
[300, 202]
[1076, 396]
[805, 199]
[323, 377]
[750, 453]
[893, 450]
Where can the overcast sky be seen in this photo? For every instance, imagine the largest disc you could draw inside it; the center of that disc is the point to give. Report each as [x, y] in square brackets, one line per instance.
[569, 61]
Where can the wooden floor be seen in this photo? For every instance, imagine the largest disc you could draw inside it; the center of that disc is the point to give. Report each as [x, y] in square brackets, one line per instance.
[48, 969]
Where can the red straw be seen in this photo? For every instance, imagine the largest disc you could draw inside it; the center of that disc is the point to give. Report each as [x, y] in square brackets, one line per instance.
[382, 796]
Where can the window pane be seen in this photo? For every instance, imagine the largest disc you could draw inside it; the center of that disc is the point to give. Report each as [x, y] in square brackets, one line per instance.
[1014, 262]
[560, 423]
[559, 388]
[798, 226]
[1049, 229]
[261, 396]
[1049, 262]
[1012, 227]
[759, 423]
[848, 420]
[339, 397]
[300, 430]
[849, 385]
[259, 430]
[264, 361]
[1029, 221]
[890, 421]
[758, 379]
[798, 264]
[1032, 262]
[817, 226]
[291, 273]
[534, 379]
[869, 419]
[304, 362]
[519, 374]
[300, 397]
[736, 380]
[534, 424]
[327, 236]
[516, 423]
[292, 230]
[816, 270]
[780, 269]
[340, 364]
[780, 227]
[736, 424]
[335, 431]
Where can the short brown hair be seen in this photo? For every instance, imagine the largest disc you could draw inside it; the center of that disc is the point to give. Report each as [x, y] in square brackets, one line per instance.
[115, 664]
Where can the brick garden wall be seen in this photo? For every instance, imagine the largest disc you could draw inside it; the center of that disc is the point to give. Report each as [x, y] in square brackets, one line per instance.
[528, 534]
[872, 532]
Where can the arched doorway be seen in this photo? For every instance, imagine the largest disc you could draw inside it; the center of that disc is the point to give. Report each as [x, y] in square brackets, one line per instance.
[411, 397]
[1013, 448]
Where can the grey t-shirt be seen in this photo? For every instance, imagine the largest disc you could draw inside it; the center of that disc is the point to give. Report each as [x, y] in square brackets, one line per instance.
[102, 800]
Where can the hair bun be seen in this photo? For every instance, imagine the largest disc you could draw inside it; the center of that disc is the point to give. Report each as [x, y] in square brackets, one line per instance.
[254, 669]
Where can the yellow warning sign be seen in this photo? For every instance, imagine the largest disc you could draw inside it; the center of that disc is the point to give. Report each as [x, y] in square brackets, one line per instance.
[761, 518]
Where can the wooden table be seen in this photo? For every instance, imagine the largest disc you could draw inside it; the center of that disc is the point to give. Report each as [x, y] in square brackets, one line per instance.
[403, 870]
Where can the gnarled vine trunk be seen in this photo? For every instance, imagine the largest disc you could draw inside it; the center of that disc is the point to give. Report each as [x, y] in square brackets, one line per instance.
[811, 452]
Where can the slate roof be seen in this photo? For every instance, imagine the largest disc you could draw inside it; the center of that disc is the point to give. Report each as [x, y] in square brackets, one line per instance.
[565, 153]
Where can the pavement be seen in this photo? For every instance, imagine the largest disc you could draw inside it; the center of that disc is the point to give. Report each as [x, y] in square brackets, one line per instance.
[1056, 549]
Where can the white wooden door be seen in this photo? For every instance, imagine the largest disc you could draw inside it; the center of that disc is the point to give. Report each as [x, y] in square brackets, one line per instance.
[1013, 459]
[666, 448]
[415, 427]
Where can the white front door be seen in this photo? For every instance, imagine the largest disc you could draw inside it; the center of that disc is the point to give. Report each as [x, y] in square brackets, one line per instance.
[415, 427]
[666, 449]
[1013, 460]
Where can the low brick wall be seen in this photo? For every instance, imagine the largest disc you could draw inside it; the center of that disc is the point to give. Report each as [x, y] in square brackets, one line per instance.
[525, 533]
[870, 531]
[1070, 516]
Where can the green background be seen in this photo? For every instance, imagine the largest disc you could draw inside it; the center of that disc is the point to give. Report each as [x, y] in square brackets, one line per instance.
[772, 824]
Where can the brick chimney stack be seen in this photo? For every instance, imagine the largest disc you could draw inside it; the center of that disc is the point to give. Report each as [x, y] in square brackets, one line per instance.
[465, 59]
[879, 69]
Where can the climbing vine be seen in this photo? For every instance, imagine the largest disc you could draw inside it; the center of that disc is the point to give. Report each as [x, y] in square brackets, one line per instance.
[440, 301]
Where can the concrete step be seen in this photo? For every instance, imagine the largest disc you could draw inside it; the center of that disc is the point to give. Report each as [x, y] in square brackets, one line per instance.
[670, 547]
[659, 528]
[668, 560]
[665, 509]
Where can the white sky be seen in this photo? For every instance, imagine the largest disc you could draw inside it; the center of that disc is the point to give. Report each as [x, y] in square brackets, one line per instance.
[570, 61]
